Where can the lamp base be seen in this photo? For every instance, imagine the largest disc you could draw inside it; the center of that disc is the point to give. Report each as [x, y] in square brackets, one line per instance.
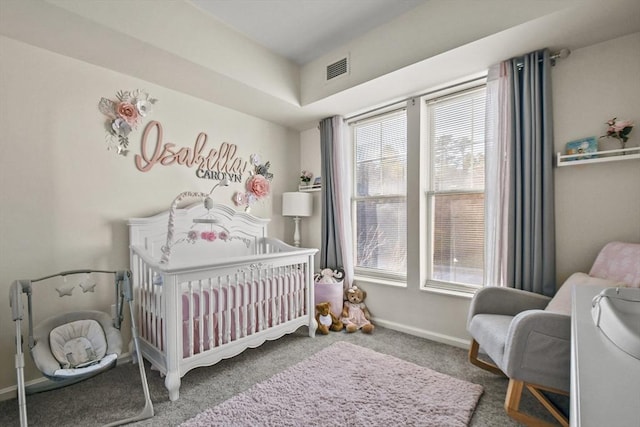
[296, 233]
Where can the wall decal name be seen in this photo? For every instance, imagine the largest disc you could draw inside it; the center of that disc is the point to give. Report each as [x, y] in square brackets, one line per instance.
[211, 163]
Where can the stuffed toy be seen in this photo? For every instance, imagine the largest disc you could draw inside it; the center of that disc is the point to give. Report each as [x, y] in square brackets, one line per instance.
[326, 319]
[355, 314]
[328, 275]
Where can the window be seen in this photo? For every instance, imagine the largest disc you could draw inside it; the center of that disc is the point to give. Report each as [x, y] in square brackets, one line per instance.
[379, 202]
[429, 158]
[455, 189]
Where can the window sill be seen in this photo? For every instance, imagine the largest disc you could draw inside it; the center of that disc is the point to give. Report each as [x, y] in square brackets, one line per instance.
[451, 290]
[380, 281]
[430, 287]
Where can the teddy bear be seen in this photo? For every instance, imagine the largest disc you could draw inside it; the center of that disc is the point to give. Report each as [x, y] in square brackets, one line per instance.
[355, 314]
[326, 319]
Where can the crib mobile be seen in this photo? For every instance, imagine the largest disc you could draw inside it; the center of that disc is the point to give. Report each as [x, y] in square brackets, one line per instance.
[192, 235]
[74, 346]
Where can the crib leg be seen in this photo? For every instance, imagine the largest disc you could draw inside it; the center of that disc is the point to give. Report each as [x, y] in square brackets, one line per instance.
[172, 383]
[313, 325]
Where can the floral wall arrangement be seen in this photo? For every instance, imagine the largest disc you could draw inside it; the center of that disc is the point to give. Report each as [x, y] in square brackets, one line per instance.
[124, 115]
[257, 185]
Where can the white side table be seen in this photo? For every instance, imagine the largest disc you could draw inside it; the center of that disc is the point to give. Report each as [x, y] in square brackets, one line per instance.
[605, 381]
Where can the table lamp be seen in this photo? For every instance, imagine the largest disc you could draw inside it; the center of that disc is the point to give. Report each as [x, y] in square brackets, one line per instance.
[297, 204]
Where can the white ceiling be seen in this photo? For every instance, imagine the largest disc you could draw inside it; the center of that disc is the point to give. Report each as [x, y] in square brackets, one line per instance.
[432, 44]
[303, 30]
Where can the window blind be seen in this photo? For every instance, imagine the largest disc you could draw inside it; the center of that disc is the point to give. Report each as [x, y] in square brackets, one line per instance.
[456, 187]
[380, 194]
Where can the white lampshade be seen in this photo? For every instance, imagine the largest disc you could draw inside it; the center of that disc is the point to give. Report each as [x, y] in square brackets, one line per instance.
[297, 204]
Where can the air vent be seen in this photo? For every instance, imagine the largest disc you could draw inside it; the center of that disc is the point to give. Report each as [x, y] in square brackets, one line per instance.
[338, 68]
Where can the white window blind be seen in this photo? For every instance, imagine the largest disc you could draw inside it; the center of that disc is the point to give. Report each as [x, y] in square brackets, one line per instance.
[379, 203]
[455, 185]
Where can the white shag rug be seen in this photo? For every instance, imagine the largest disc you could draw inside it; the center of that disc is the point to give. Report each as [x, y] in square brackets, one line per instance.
[348, 385]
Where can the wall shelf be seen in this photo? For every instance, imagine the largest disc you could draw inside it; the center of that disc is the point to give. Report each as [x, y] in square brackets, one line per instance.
[630, 153]
[309, 188]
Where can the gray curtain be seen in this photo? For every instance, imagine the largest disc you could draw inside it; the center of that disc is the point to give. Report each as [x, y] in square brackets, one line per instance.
[531, 217]
[330, 250]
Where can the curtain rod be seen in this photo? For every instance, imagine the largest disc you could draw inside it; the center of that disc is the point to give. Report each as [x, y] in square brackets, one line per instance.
[561, 54]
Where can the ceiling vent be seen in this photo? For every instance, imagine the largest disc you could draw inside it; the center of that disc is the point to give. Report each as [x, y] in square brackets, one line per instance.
[338, 68]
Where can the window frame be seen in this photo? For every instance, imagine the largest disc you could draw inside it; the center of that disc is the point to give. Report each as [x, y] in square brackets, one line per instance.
[428, 196]
[363, 273]
[418, 243]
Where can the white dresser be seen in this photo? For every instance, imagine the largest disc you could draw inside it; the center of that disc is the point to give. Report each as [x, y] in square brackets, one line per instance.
[605, 381]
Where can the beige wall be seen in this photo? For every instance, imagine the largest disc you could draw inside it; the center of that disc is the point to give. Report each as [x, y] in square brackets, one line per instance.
[310, 161]
[594, 203]
[65, 199]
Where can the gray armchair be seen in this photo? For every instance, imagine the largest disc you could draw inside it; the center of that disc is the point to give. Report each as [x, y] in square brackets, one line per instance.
[528, 336]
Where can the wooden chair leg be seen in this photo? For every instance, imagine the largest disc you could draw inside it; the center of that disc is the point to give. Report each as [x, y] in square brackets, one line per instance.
[473, 358]
[512, 405]
[557, 414]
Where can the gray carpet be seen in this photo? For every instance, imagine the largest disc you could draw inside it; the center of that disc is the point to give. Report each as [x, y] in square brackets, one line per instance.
[117, 393]
[349, 385]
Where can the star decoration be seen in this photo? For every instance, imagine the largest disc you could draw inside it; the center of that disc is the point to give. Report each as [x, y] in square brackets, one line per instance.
[86, 287]
[65, 291]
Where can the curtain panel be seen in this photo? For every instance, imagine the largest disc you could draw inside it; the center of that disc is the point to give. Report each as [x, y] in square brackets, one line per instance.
[520, 187]
[336, 248]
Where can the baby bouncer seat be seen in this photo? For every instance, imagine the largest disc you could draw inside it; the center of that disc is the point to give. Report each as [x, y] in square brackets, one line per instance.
[74, 346]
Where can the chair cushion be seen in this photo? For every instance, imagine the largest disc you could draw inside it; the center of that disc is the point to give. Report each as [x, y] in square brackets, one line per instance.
[78, 344]
[561, 302]
[490, 331]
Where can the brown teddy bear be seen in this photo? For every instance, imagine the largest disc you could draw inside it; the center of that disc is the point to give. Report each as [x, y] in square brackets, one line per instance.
[355, 314]
[326, 319]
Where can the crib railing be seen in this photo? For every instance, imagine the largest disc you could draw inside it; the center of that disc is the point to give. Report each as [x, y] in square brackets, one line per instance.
[220, 306]
[221, 309]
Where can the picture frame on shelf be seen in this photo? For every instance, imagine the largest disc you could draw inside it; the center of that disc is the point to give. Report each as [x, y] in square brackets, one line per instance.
[587, 146]
[317, 182]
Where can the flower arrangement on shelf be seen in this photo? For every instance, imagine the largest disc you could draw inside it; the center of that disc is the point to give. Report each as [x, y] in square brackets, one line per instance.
[258, 184]
[619, 129]
[124, 115]
[305, 177]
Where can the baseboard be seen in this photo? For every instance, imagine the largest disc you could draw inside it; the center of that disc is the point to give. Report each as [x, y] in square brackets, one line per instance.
[11, 392]
[423, 333]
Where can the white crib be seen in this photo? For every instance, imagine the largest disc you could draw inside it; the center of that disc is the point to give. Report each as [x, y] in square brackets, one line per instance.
[214, 298]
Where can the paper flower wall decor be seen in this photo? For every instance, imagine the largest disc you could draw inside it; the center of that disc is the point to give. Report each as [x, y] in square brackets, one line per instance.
[124, 115]
[258, 184]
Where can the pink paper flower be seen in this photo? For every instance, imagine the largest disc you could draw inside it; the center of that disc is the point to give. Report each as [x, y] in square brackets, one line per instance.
[239, 199]
[128, 112]
[258, 185]
[208, 235]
